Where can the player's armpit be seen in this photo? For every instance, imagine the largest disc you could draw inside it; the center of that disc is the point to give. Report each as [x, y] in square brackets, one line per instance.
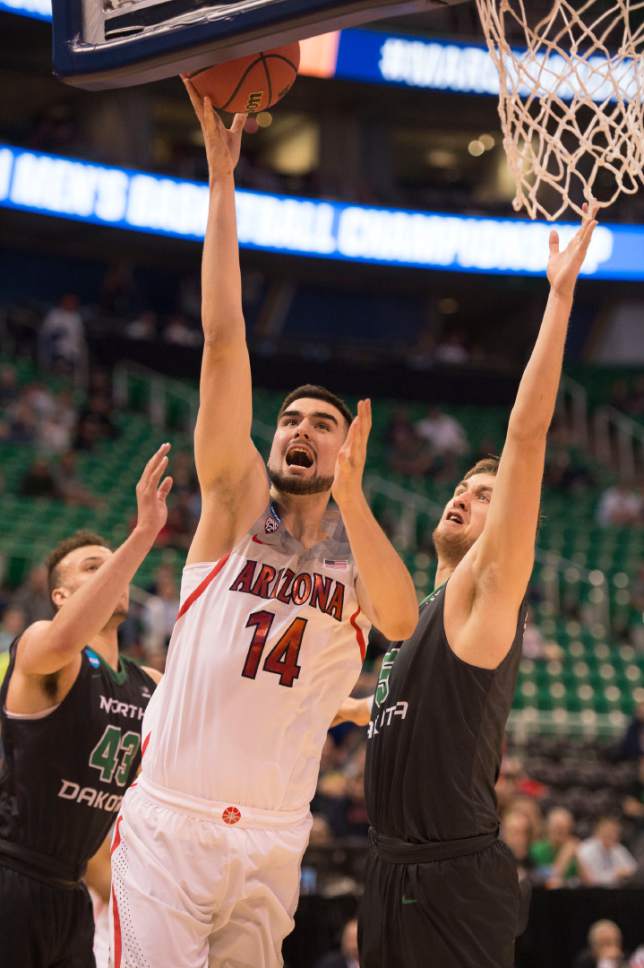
[228, 512]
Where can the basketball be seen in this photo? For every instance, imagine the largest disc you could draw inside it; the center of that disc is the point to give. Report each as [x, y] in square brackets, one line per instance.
[250, 84]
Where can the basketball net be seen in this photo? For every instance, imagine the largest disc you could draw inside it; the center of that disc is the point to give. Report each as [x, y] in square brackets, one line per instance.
[571, 105]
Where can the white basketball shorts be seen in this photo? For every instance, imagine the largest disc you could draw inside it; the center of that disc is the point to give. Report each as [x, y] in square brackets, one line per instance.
[200, 884]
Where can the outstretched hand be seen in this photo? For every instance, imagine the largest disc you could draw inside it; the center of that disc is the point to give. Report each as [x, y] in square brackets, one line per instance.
[223, 144]
[350, 462]
[564, 266]
[151, 496]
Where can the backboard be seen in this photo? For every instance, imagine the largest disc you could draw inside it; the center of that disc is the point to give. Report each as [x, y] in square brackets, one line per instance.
[118, 43]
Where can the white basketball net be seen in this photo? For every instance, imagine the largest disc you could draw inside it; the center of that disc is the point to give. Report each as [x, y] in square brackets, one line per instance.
[571, 106]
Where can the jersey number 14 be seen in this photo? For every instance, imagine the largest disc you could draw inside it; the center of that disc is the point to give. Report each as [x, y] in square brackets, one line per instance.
[282, 659]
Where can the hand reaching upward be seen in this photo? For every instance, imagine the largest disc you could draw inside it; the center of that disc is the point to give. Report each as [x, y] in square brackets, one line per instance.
[349, 466]
[564, 266]
[223, 144]
[152, 493]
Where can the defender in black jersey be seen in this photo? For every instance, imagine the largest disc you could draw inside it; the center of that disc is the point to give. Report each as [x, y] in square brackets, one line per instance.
[71, 712]
[441, 890]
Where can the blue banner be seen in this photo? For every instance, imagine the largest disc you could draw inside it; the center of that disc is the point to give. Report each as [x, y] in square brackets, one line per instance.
[121, 198]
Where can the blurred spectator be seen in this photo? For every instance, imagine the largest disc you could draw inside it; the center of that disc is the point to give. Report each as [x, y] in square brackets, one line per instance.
[629, 398]
[347, 956]
[443, 433]
[180, 525]
[62, 336]
[119, 294]
[407, 454]
[526, 802]
[185, 482]
[33, 596]
[320, 835]
[536, 646]
[95, 423]
[11, 625]
[515, 833]
[55, 430]
[637, 958]
[604, 947]
[144, 327]
[635, 406]
[604, 861]
[619, 505]
[178, 333]
[160, 611]
[452, 350]
[8, 385]
[23, 423]
[69, 486]
[633, 805]
[39, 481]
[566, 471]
[99, 408]
[40, 399]
[555, 856]
[632, 745]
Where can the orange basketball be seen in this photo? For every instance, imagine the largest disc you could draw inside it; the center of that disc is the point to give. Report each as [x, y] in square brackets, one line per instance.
[250, 84]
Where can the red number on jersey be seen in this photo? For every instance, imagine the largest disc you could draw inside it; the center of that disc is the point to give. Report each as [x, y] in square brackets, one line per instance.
[282, 659]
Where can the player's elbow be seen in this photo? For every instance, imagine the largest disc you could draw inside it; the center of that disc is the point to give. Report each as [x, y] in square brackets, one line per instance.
[528, 429]
[398, 626]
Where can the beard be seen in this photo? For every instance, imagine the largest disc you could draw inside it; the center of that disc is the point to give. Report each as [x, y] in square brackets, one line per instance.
[298, 485]
[450, 548]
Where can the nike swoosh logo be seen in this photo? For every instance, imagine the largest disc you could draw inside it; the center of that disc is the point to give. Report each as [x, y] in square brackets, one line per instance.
[257, 541]
[409, 900]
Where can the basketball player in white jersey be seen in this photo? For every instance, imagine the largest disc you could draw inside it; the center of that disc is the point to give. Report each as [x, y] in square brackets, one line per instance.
[277, 598]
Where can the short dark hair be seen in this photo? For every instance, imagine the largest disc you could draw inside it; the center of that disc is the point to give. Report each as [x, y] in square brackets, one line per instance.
[316, 393]
[81, 539]
[488, 465]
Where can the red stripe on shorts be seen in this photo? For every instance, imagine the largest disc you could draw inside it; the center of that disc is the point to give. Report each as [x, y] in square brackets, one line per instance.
[117, 931]
[116, 839]
[200, 589]
[362, 645]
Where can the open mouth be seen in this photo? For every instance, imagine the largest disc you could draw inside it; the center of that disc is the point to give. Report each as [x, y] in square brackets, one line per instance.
[299, 457]
[455, 517]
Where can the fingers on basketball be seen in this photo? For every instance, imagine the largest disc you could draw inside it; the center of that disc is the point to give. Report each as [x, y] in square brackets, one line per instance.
[195, 98]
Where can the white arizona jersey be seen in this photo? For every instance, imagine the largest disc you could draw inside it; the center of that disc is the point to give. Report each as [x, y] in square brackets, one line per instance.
[268, 642]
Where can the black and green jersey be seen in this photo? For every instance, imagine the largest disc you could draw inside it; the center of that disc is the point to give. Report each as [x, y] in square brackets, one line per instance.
[436, 733]
[63, 773]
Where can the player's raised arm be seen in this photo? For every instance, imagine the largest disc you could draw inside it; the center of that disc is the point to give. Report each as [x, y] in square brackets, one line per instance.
[385, 588]
[47, 647]
[224, 453]
[500, 562]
